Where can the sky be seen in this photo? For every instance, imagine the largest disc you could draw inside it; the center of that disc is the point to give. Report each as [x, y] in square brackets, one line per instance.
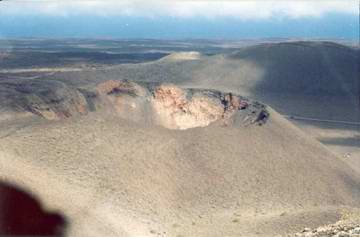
[179, 19]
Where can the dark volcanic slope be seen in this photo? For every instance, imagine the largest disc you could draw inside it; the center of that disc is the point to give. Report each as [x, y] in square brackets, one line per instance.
[305, 67]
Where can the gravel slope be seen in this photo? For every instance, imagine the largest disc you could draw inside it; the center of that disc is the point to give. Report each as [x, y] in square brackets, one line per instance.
[117, 178]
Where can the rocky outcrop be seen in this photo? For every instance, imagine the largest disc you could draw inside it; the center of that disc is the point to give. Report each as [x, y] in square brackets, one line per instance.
[177, 108]
[339, 229]
[119, 87]
[165, 105]
[175, 111]
[62, 107]
[52, 100]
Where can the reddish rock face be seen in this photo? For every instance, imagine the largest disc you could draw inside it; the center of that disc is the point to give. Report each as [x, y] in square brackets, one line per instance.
[234, 102]
[175, 111]
[107, 87]
[170, 97]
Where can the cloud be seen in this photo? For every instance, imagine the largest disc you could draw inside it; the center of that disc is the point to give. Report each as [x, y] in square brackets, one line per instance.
[246, 9]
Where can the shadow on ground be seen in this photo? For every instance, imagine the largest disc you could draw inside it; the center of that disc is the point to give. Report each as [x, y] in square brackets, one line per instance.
[347, 141]
[22, 214]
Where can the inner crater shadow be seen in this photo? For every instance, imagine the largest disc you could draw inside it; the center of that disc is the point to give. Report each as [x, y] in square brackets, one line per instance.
[21, 214]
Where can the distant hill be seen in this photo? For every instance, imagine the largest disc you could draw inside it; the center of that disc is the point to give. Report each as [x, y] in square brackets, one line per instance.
[318, 68]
